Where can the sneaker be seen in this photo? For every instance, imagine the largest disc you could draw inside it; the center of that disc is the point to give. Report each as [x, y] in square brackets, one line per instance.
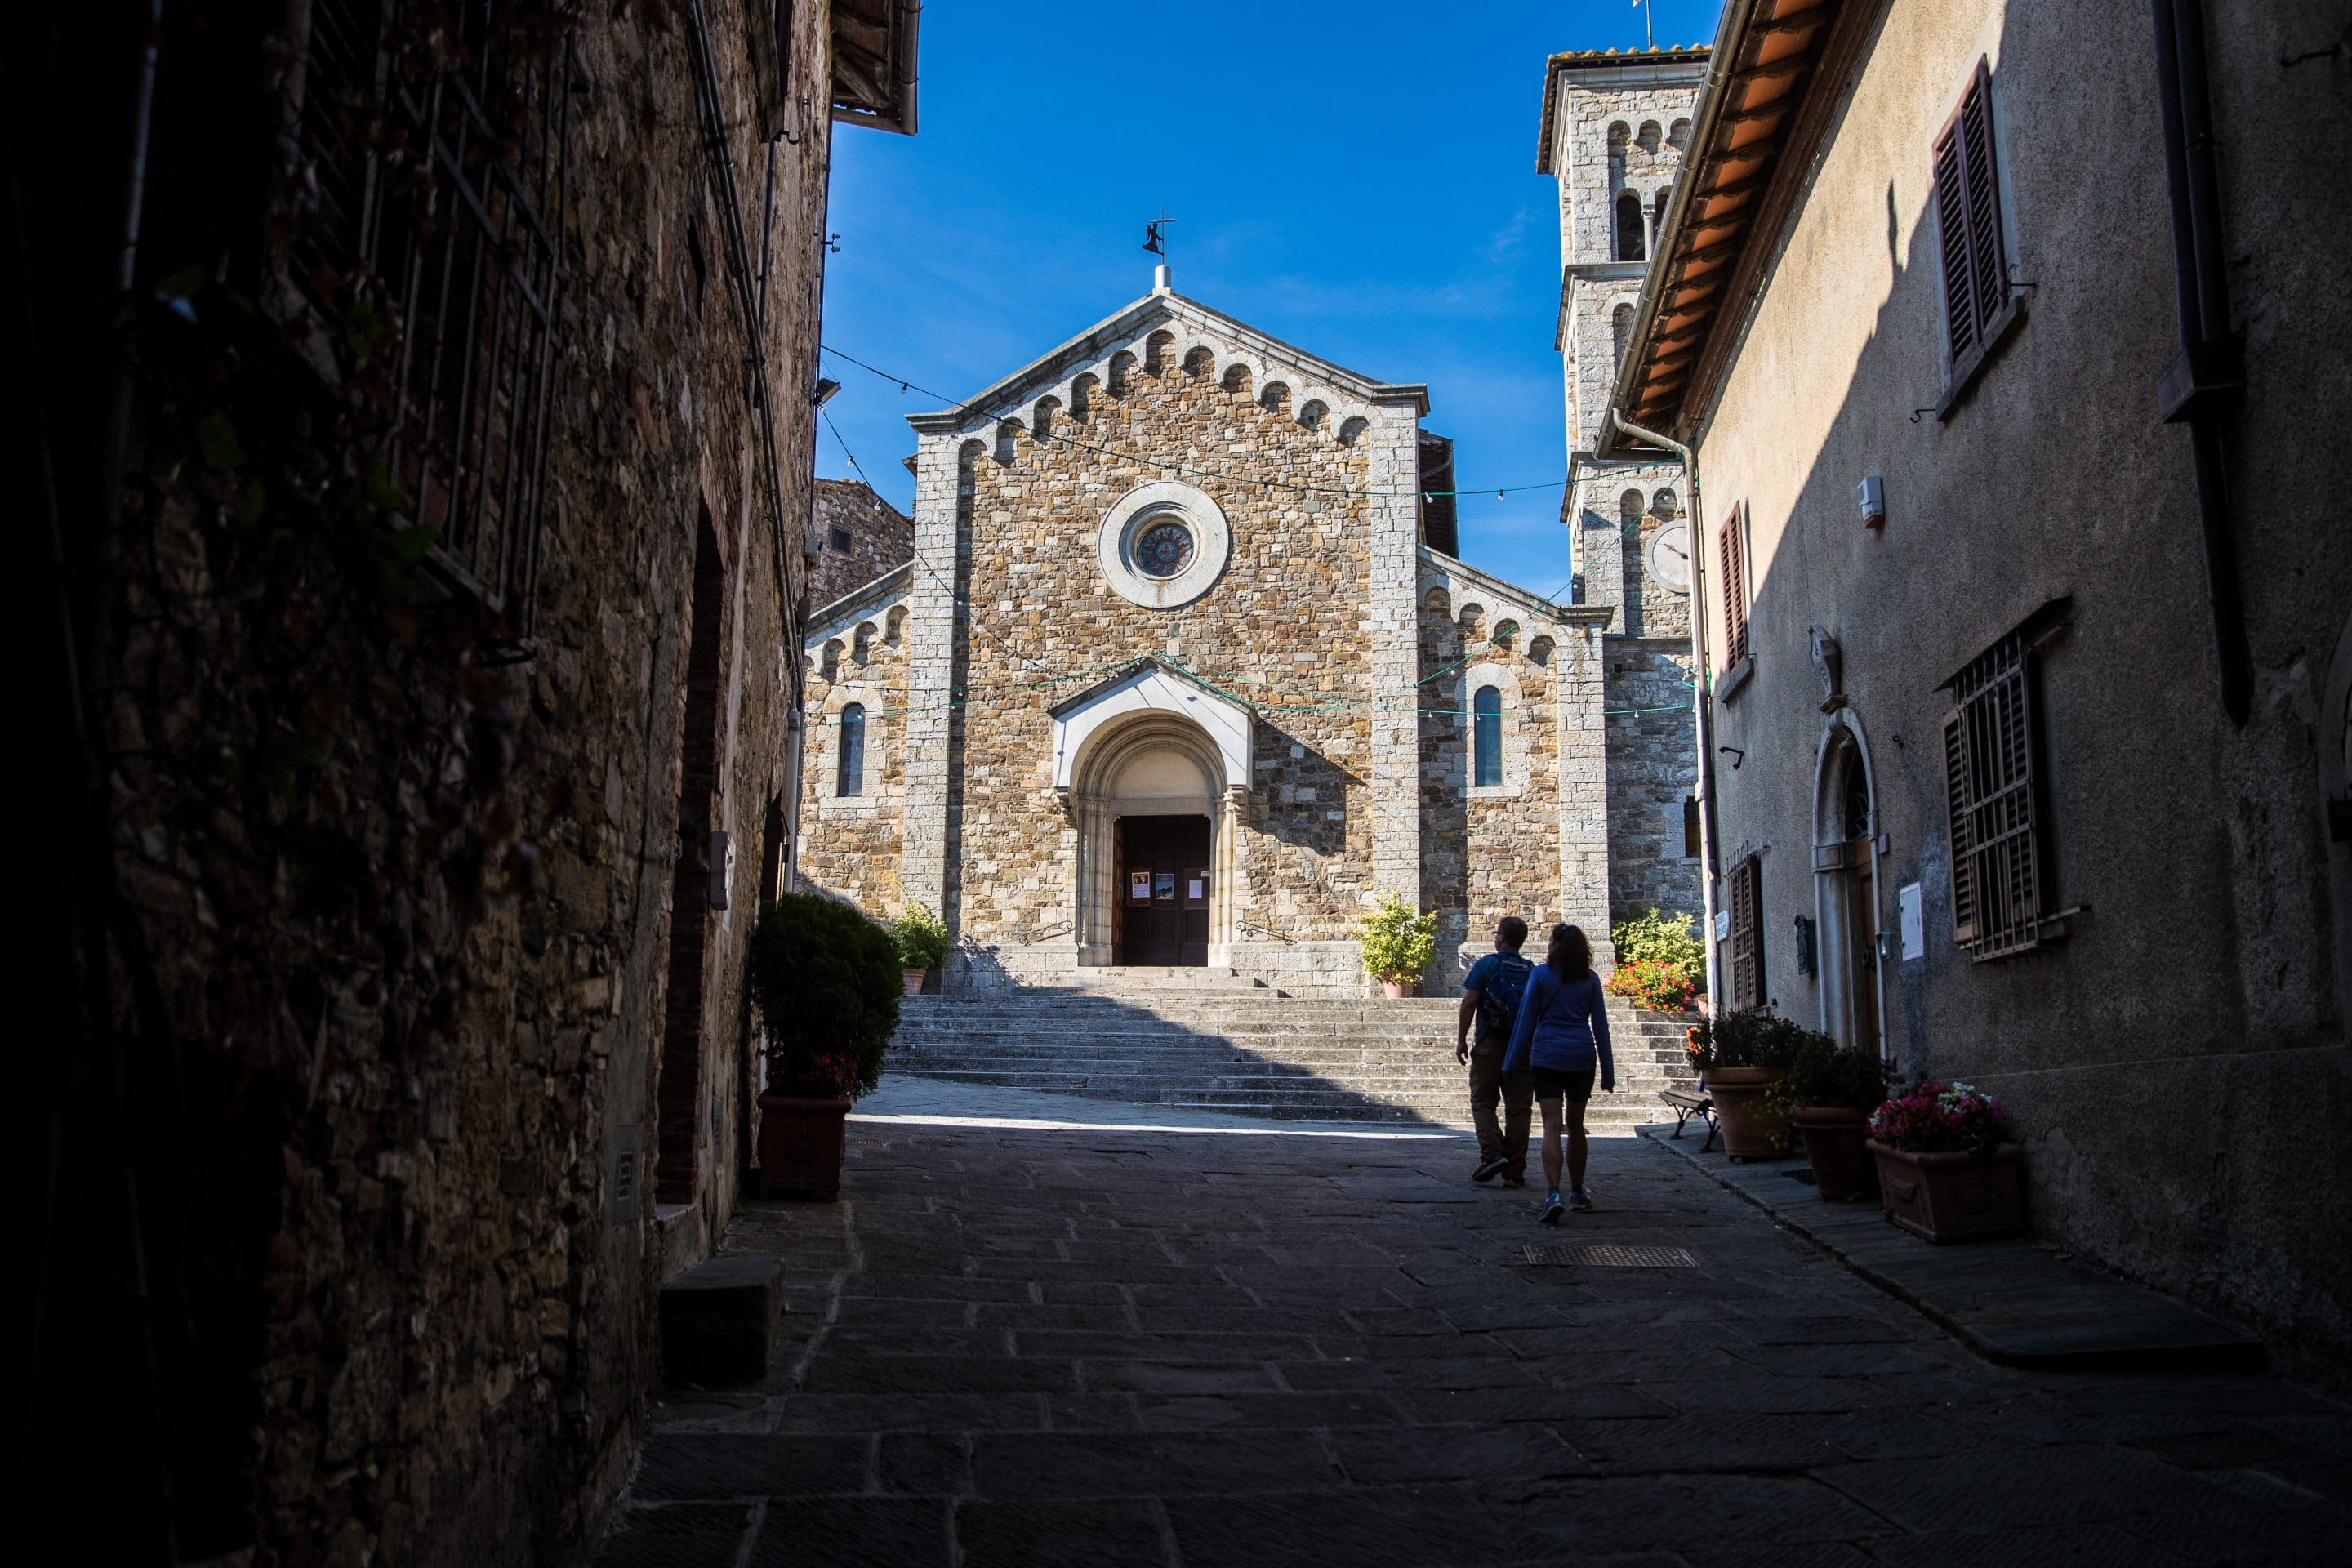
[1551, 1208]
[1514, 1178]
[1489, 1169]
[1580, 1201]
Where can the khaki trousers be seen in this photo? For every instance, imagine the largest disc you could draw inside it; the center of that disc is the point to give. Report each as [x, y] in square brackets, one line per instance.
[1508, 1139]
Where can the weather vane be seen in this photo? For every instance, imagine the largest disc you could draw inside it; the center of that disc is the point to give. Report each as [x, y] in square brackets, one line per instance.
[1155, 234]
[1649, 24]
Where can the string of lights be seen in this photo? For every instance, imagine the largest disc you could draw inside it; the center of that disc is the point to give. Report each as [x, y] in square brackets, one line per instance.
[1391, 703]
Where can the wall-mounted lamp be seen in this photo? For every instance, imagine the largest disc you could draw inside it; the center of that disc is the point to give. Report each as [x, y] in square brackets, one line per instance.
[1738, 756]
[1871, 493]
[825, 387]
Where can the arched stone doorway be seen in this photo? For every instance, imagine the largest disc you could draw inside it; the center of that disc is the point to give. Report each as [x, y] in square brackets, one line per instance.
[1152, 770]
[1846, 887]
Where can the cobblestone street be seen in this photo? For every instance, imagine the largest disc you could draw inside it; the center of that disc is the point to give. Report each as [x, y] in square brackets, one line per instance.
[1041, 1345]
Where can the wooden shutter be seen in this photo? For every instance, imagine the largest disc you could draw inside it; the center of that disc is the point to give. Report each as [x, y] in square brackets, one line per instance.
[1735, 589]
[1989, 785]
[1967, 220]
[1746, 927]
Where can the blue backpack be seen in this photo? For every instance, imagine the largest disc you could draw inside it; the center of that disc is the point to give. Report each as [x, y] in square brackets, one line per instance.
[1498, 999]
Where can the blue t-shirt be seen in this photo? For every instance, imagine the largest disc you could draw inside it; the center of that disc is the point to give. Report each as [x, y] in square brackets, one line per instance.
[1563, 1027]
[1488, 978]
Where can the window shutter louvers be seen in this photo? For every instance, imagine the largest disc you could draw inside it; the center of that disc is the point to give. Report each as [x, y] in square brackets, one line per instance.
[1735, 591]
[1967, 220]
[1747, 958]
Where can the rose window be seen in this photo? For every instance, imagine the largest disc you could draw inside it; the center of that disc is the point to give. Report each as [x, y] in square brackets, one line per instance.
[1163, 550]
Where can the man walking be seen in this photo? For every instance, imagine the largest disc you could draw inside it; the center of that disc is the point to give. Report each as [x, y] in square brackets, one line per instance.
[1491, 996]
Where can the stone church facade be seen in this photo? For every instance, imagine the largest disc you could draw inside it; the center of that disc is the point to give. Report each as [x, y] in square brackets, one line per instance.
[1615, 126]
[1185, 670]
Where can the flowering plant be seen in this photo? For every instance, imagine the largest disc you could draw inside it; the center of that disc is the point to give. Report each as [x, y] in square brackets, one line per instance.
[1934, 1116]
[1658, 983]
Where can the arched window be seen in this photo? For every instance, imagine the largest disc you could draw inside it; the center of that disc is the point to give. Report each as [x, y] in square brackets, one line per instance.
[1630, 224]
[1621, 332]
[1658, 215]
[1486, 737]
[851, 777]
[1628, 509]
[1663, 506]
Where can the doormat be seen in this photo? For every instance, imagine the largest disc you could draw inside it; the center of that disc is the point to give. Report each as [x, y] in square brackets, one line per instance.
[1612, 1257]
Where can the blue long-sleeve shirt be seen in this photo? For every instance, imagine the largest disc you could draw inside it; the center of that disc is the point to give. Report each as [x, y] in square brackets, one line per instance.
[1563, 1027]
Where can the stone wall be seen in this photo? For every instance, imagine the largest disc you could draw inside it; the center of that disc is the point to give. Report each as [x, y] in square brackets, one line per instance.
[1497, 849]
[406, 973]
[1653, 770]
[880, 537]
[1285, 630]
[850, 843]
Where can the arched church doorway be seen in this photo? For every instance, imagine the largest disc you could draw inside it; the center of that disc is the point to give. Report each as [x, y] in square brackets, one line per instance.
[1163, 907]
[1845, 888]
[1155, 828]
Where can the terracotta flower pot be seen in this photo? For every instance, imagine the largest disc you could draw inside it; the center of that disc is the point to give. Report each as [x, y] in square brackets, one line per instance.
[1392, 989]
[1750, 1132]
[912, 979]
[800, 1146]
[1834, 1136]
[1954, 1196]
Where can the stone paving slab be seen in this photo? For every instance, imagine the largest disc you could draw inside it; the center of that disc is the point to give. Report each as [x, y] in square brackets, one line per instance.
[1011, 1345]
[2017, 1302]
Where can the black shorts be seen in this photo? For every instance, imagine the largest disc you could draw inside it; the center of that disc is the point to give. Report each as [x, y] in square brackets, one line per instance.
[1552, 1083]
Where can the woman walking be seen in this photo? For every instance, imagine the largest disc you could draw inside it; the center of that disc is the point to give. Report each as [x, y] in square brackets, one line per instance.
[1563, 1025]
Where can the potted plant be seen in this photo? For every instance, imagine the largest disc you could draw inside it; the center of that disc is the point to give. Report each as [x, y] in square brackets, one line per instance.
[826, 979]
[1829, 1093]
[1739, 1057]
[1660, 967]
[922, 945]
[1398, 945]
[1947, 1168]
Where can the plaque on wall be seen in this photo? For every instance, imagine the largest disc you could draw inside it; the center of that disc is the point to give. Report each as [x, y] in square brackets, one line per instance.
[1138, 887]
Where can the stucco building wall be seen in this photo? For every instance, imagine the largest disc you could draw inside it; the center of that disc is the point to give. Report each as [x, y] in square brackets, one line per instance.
[2159, 1058]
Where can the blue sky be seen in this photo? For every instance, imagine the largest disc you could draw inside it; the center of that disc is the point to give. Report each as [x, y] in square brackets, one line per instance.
[1359, 179]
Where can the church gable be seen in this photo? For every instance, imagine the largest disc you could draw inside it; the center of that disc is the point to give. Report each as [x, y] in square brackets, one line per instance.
[1162, 331]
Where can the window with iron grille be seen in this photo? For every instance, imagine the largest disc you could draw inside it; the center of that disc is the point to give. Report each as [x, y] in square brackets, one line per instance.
[1747, 933]
[1992, 784]
[1967, 222]
[440, 159]
[1732, 561]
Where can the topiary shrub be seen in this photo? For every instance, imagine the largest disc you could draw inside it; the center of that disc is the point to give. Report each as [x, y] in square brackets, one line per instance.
[826, 982]
[1747, 1040]
[1823, 1073]
[922, 939]
[1397, 943]
[1660, 965]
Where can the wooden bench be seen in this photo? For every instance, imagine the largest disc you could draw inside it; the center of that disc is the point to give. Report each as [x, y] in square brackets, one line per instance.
[1687, 1103]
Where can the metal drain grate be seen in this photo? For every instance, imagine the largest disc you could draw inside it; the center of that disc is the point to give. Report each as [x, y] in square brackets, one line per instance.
[1613, 1257]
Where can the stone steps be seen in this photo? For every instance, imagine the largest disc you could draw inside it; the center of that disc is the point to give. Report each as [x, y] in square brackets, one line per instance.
[1245, 1050]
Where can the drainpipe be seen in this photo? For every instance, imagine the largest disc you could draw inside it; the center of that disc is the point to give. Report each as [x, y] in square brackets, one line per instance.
[1700, 705]
[2200, 387]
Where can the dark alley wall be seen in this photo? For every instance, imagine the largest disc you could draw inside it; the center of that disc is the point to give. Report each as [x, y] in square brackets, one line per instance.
[380, 1026]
